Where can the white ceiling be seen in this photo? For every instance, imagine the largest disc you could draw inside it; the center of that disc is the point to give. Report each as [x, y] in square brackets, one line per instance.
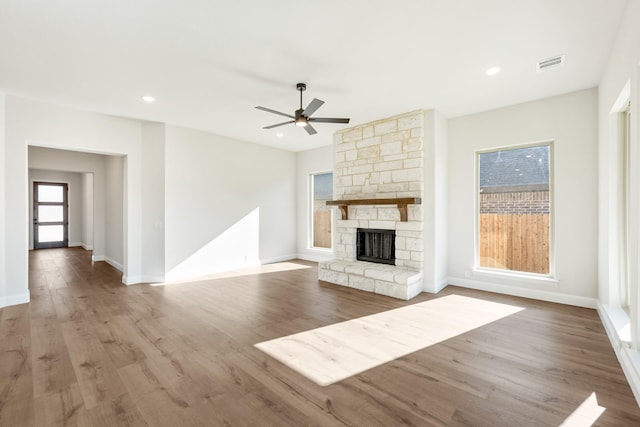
[209, 62]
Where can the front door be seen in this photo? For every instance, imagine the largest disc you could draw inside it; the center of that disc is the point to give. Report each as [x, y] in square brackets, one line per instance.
[50, 216]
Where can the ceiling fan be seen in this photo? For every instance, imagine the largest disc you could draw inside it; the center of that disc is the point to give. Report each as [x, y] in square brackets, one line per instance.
[302, 117]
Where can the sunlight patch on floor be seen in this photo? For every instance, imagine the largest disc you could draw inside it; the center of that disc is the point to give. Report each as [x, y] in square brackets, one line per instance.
[335, 352]
[246, 271]
[586, 414]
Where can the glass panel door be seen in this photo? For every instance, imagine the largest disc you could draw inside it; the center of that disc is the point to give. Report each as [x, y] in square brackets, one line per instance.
[50, 215]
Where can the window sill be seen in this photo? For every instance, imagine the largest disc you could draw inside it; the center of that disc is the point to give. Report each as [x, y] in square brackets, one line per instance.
[621, 323]
[313, 248]
[532, 278]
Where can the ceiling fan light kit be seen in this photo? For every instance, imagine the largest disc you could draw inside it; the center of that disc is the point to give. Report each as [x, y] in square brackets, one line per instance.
[302, 117]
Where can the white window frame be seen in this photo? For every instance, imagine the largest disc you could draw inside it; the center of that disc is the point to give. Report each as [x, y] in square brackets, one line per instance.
[551, 276]
[624, 214]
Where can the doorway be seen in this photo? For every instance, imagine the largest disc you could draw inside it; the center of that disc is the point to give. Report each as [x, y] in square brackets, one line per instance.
[50, 215]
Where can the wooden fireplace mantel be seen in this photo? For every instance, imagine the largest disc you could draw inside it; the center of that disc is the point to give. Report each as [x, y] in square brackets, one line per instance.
[402, 203]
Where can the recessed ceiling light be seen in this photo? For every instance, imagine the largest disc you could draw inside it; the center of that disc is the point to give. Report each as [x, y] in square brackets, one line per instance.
[148, 99]
[492, 71]
[279, 134]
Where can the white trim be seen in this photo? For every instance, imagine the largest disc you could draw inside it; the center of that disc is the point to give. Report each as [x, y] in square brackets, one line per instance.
[619, 321]
[442, 284]
[186, 276]
[628, 358]
[8, 300]
[549, 296]
[87, 247]
[74, 244]
[520, 276]
[623, 99]
[434, 288]
[97, 258]
[131, 280]
[315, 258]
[152, 279]
[274, 259]
[540, 143]
[191, 276]
[115, 264]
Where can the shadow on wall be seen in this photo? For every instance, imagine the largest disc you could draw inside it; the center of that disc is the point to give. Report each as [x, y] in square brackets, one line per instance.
[237, 246]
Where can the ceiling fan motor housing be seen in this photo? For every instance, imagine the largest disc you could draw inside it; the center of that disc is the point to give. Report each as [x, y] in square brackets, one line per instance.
[301, 119]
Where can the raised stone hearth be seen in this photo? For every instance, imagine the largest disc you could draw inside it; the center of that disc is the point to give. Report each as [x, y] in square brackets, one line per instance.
[382, 279]
[382, 160]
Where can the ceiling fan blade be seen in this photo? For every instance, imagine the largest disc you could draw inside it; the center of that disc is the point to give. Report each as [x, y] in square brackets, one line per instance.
[312, 107]
[269, 110]
[279, 124]
[310, 130]
[327, 120]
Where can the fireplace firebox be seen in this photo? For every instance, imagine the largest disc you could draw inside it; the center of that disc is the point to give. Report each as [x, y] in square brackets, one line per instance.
[375, 245]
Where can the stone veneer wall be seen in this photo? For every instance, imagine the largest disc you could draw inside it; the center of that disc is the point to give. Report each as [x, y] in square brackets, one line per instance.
[379, 160]
[382, 159]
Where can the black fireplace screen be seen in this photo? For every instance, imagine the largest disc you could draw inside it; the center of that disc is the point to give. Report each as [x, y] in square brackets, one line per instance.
[376, 245]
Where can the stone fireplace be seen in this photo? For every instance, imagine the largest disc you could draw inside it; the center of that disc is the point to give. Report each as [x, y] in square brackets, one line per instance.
[379, 184]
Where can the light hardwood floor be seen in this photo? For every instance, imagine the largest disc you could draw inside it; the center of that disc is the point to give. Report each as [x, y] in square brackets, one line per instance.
[90, 351]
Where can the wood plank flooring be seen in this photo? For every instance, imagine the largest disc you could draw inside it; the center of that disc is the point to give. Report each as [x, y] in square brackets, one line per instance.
[336, 352]
[90, 351]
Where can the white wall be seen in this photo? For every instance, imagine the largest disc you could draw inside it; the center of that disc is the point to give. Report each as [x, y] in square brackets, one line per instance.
[571, 122]
[8, 296]
[114, 214]
[87, 179]
[308, 162]
[434, 203]
[75, 202]
[153, 206]
[214, 189]
[30, 122]
[622, 69]
[228, 203]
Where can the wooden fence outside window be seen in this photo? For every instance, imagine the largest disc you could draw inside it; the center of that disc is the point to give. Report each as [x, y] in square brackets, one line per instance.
[518, 242]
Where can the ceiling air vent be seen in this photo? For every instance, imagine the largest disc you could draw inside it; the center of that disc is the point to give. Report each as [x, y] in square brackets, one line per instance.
[549, 63]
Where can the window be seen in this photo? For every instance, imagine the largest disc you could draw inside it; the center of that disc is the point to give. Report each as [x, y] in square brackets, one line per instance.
[321, 214]
[514, 215]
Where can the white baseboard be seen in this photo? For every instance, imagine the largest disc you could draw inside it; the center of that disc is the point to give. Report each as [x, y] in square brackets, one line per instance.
[434, 289]
[152, 279]
[442, 284]
[74, 244]
[132, 280]
[278, 259]
[114, 264]
[8, 300]
[315, 258]
[87, 247]
[96, 258]
[180, 276]
[542, 295]
[629, 359]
